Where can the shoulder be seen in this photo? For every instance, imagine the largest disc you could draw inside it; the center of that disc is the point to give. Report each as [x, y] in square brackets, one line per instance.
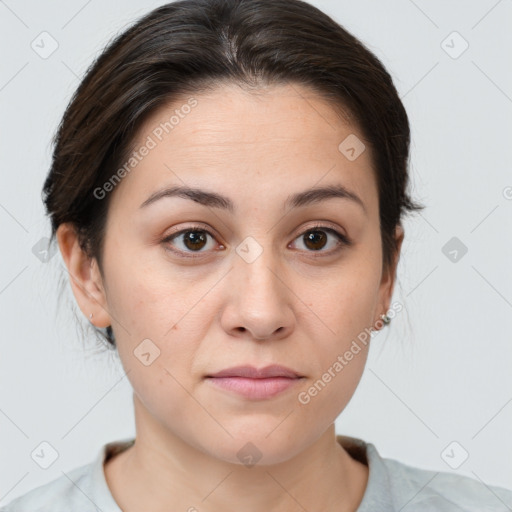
[68, 492]
[393, 486]
[427, 490]
[83, 489]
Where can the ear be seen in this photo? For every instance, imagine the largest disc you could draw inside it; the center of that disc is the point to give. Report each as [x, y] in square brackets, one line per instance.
[85, 277]
[389, 277]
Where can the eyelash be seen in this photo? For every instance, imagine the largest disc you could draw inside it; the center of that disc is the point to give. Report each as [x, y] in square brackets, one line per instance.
[343, 240]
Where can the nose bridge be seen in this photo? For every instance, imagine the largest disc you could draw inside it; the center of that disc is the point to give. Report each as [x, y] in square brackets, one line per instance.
[256, 265]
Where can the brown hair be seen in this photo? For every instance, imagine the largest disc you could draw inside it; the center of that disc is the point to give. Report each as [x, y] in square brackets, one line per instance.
[190, 46]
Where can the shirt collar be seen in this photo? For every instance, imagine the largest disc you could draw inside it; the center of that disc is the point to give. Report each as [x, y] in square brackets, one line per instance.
[101, 495]
[377, 495]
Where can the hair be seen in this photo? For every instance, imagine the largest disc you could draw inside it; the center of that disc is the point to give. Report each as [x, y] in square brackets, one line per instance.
[192, 46]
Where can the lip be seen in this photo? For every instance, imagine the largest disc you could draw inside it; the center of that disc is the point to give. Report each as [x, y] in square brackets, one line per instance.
[256, 384]
[250, 372]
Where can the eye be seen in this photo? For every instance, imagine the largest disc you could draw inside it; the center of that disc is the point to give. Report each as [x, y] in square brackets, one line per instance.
[317, 237]
[190, 240]
[194, 239]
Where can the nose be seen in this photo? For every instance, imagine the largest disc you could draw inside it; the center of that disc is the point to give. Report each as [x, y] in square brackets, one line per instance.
[260, 302]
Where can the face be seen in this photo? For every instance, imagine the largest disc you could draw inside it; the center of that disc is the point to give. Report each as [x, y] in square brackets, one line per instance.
[254, 270]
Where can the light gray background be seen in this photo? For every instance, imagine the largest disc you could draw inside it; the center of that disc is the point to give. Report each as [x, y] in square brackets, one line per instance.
[439, 374]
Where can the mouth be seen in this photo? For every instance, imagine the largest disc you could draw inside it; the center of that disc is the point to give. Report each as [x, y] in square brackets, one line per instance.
[256, 384]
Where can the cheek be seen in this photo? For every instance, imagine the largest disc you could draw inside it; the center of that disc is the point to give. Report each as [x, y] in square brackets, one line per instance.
[158, 357]
[344, 308]
[155, 311]
[144, 298]
[338, 359]
[343, 305]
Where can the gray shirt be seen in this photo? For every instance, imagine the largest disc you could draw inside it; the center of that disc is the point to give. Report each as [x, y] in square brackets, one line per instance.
[392, 486]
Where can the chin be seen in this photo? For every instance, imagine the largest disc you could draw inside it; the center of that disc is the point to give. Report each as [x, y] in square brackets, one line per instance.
[254, 446]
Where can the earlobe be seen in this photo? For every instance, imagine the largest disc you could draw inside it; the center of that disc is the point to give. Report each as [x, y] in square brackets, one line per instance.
[84, 276]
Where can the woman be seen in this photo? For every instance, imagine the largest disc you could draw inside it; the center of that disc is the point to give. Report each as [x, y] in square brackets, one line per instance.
[226, 191]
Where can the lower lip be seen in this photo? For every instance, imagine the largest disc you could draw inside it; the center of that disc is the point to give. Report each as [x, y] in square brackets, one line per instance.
[255, 389]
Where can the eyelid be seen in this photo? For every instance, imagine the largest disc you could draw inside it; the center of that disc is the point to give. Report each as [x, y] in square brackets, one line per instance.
[198, 226]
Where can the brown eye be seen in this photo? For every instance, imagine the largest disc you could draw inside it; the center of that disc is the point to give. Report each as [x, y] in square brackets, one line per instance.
[190, 240]
[317, 238]
[194, 240]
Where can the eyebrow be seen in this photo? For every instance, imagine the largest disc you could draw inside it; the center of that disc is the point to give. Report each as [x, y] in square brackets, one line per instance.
[215, 200]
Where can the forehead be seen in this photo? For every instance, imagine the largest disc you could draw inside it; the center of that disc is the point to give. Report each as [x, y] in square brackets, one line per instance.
[233, 115]
[272, 138]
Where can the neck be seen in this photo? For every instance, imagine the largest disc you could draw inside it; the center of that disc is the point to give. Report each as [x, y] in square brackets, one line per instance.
[161, 472]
